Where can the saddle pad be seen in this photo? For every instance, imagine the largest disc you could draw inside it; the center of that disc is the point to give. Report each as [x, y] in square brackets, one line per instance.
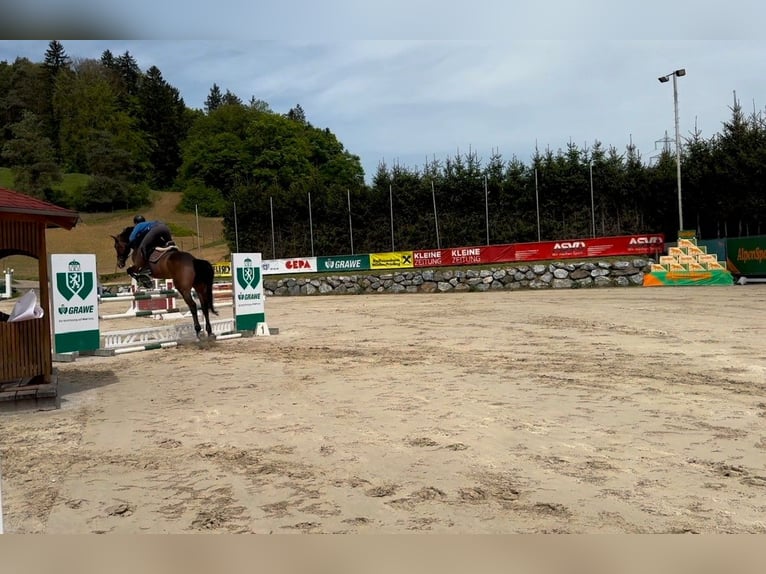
[160, 252]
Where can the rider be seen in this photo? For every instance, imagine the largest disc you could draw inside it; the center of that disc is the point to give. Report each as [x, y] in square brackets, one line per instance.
[147, 235]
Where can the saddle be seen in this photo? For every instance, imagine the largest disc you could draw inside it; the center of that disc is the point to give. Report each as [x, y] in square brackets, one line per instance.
[159, 252]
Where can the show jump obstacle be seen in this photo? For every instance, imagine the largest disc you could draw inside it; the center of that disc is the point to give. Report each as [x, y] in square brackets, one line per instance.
[688, 264]
[77, 325]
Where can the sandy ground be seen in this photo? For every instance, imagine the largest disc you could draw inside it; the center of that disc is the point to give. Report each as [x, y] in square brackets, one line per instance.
[583, 411]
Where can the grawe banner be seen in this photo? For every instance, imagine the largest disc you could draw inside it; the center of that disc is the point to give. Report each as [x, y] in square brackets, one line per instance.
[294, 265]
[647, 244]
[249, 300]
[344, 263]
[74, 302]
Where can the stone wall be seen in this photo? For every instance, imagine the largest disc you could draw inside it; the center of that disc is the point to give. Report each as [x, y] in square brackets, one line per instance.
[559, 275]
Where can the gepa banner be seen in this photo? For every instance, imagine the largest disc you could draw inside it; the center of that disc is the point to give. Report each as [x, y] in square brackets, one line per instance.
[294, 265]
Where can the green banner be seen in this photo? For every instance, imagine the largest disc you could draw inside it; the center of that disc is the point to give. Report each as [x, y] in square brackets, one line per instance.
[249, 322]
[344, 263]
[74, 302]
[688, 278]
[249, 300]
[746, 255]
[76, 341]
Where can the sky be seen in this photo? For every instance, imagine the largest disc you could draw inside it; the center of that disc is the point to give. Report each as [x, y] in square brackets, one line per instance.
[400, 100]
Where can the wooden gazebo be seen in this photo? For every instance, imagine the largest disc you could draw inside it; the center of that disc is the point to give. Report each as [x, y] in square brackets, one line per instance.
[26, 369]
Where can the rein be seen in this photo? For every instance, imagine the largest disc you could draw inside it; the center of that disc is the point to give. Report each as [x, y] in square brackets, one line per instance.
[123, 252]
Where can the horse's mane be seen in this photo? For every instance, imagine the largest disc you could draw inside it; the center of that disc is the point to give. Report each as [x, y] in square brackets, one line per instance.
[125, 233]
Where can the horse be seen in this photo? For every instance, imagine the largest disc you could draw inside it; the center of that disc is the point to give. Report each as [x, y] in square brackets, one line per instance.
[183, 268]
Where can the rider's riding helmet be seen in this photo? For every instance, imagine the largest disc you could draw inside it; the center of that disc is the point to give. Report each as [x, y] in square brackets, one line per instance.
[138, 219]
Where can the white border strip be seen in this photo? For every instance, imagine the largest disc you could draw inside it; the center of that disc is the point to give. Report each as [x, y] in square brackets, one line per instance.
[1, 496]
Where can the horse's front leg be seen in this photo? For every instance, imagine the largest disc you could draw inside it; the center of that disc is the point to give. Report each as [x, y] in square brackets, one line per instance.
[193, 308]
[142, 279]
[132, 271]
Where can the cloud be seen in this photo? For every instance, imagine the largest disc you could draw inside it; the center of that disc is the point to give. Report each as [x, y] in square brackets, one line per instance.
[351, 20]
[411, 99]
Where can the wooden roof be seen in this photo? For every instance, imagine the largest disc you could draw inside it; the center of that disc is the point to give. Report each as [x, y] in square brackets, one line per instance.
[13, 202]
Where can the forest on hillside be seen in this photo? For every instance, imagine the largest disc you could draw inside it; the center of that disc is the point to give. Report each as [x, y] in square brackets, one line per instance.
[129, 131]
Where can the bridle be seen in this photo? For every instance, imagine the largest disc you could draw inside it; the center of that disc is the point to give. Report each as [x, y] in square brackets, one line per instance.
[122, 253]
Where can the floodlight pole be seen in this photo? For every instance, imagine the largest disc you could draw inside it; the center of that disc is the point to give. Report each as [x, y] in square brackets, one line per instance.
[311, 226]
[663, 79]
[273, 243]
[436, 218]
[486, 206]
[592, 203]
[391, 204]
[537, 203]
[350, 228]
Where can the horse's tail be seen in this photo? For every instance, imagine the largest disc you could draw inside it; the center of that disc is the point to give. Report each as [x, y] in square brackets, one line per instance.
[204, 274]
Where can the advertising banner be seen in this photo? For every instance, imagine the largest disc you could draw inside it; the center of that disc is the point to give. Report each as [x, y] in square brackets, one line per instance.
[464, 255]
[294, 265]
[746, 255]
[222, 270]
[391, 260]
[74, 302]
[688, 278]
[541, 251]
[430, 257]
[648, 244]
[249, 300]
[644, 244]
[626, 245]
[499, 253]
[344, 263]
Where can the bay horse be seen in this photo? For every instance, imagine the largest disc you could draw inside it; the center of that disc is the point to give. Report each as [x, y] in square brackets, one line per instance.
[183, 268]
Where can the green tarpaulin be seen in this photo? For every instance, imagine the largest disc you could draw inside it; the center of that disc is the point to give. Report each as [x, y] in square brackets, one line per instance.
[708, 277]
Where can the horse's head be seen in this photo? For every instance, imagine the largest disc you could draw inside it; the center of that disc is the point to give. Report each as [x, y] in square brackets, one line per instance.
[121, 246]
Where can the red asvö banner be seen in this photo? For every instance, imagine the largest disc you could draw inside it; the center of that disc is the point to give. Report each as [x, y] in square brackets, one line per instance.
[645, 244]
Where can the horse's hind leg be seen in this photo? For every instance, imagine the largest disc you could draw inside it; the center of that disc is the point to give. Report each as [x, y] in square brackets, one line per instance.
[208, 326]
[205, 301]
[186, 294]
[204, 297]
